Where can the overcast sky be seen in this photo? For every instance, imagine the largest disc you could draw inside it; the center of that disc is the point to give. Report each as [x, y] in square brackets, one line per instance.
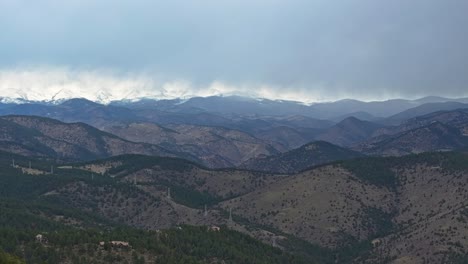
[303, 50]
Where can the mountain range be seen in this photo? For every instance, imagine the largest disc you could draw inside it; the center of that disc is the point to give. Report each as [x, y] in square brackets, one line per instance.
[218, 139]
[343, 182]
[228, 105]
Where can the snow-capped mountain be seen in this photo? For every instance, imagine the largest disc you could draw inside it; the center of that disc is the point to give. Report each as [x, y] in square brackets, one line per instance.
[54, 85]
[54, 96]
[57, 85]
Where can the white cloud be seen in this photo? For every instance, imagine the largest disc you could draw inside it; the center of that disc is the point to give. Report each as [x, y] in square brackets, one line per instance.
[52, 83]
[60, 83]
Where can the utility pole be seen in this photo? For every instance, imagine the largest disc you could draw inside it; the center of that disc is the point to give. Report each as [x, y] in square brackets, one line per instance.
[52, 169]
[206, 212]
[29, 164]
[168, 193]
[13, 163]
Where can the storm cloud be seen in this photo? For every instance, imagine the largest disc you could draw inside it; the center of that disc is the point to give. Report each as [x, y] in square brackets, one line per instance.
[309, 50]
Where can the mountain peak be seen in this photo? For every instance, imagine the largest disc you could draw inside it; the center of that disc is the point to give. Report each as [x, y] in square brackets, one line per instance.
[78, 102]
[351, 119]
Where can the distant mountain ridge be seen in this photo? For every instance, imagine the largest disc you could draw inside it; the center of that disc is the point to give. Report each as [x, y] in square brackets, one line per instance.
[245, 105]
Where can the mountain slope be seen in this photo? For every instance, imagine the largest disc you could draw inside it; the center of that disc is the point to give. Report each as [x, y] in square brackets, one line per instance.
[456, 118]
[39, 136]
[76, 207]
[41, 226]
[422, 133]
[296, 160]
[433, 137]
[423, 110]
[214, 146]
[411, 208]
[348, 132]
[288, 137]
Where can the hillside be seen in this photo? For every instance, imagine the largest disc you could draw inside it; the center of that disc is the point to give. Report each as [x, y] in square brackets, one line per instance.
[306, 156]
[348, 132]
[423, 109]
[98, 208]
[413, 208]
[456, 118]
[185, 244]
[288, 137]
[435, 136]
[215, 147]
[333, 211]
[37, 136]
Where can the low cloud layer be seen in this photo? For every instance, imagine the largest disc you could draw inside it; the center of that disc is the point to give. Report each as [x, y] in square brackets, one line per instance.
[306, 50]
[49, 84]
[58, 83]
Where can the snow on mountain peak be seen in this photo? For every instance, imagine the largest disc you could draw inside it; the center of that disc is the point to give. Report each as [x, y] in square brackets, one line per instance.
[54, 85]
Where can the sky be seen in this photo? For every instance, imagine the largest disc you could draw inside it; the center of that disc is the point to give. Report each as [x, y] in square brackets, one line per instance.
[304, 50]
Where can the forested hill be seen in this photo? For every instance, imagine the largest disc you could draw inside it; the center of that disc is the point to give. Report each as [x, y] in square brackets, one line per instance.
[70, 234]
[185, 244]
[331, 212]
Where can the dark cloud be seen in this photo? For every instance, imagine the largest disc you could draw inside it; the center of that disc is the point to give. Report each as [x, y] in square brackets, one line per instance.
[340, 48]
